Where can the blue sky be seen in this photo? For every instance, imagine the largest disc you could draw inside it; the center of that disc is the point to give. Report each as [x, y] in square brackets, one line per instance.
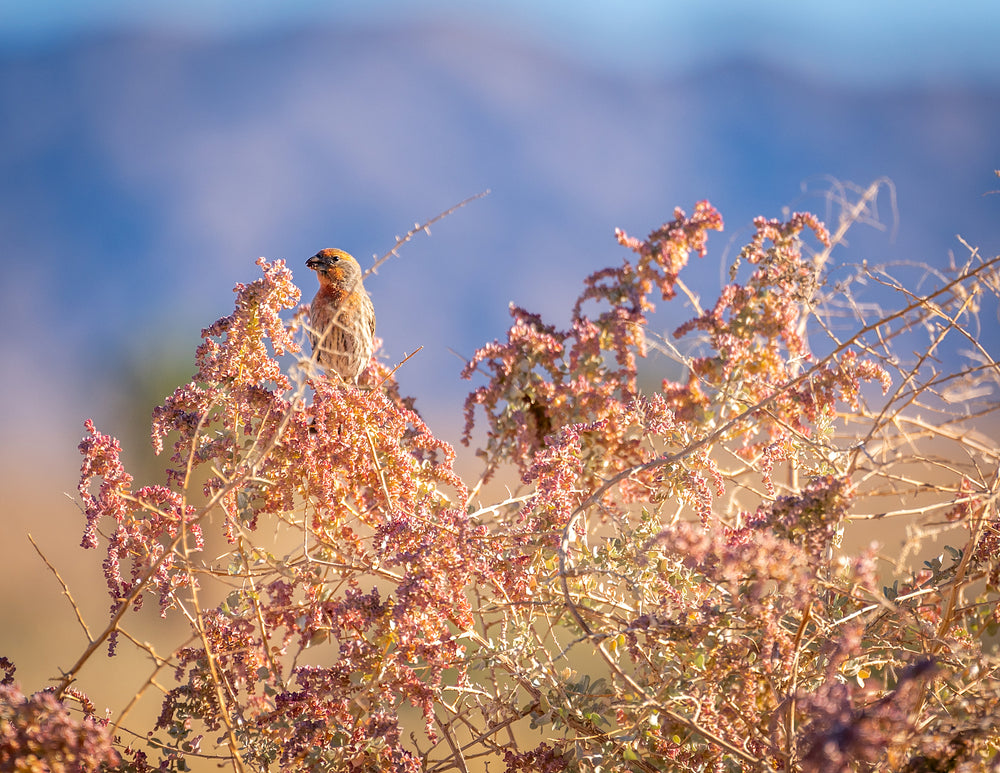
[847, 40]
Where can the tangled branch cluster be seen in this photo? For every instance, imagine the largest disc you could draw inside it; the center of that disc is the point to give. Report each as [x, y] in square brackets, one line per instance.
[668, 589]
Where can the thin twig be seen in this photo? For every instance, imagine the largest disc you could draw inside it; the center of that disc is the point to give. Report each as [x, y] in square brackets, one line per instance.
[65, 588]
[417, 228]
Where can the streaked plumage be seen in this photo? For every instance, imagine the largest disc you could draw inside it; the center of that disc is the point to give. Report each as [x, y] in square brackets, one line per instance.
[341, 317]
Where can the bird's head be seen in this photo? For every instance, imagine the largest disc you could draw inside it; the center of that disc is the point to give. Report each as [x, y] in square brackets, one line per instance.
[336, 267]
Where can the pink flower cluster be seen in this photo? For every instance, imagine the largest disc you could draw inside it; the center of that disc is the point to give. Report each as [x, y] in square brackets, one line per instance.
[38, 732]
[664, 592]
[373, 494]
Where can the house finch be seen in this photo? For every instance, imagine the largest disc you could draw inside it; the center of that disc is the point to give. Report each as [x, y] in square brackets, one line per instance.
[341, 317]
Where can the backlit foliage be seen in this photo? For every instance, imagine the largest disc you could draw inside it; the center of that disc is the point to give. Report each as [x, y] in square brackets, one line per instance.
[674, 585]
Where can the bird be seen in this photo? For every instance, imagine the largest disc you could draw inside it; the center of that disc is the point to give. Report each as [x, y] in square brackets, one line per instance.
[341, 317]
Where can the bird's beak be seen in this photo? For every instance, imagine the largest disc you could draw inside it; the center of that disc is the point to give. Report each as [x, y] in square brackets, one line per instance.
[316, 263]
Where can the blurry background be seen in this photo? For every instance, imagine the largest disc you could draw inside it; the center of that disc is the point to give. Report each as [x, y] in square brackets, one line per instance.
[150, 152]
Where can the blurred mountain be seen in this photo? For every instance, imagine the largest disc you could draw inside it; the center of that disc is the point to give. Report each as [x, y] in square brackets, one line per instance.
[140, 176]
